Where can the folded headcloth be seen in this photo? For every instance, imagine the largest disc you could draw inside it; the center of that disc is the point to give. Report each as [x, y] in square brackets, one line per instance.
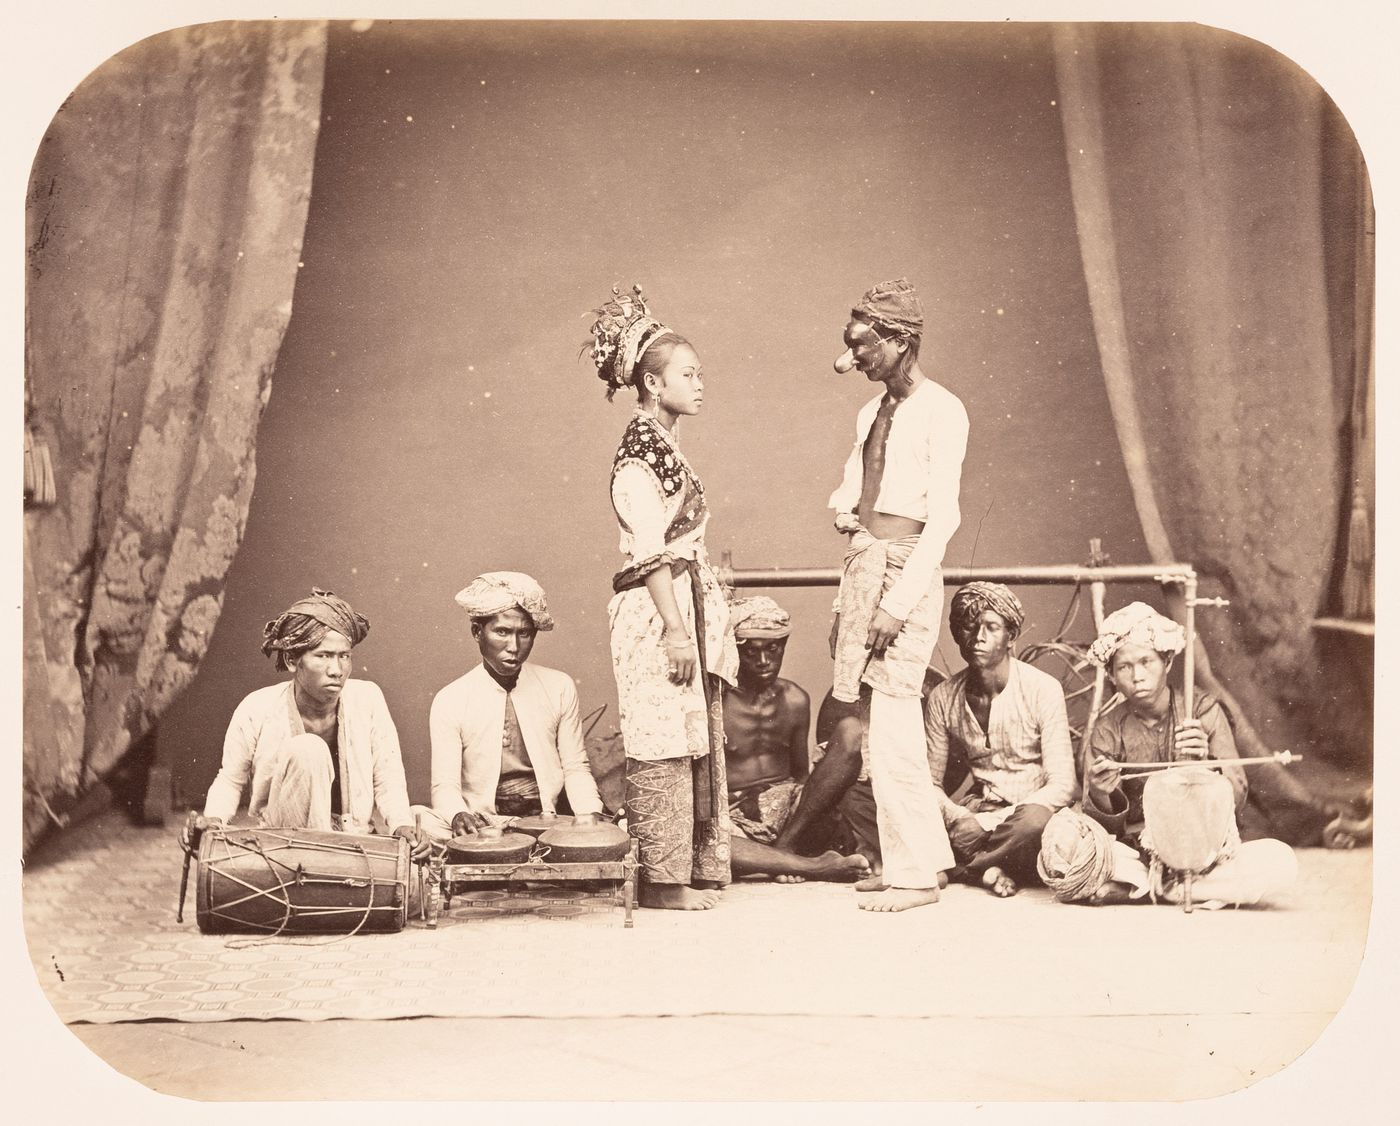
[895, 305]
[1076, 855]
[306, 621]
[1136, 624]
[498, 591]
[759, 616]
[971, 600]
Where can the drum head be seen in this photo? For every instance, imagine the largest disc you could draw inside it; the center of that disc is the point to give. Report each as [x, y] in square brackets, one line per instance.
[1189, 816]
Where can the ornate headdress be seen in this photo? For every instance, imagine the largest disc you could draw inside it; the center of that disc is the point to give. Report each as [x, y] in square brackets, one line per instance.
[623, 329]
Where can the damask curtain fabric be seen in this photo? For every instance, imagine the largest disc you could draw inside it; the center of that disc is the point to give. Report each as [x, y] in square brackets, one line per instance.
[1215, 190]
[166, 212]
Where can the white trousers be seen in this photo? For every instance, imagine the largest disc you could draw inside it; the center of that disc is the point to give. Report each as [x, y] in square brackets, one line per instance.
[300, 794]
[1258, 870]
[914, 844]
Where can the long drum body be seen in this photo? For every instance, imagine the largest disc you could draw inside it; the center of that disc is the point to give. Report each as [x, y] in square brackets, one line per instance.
[302, 881]
[1189, 814]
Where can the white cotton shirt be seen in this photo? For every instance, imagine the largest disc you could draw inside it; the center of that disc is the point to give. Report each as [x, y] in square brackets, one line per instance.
[923, 473]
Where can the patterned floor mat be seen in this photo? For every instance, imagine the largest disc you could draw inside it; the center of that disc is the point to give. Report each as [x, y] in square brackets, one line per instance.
[100, 920]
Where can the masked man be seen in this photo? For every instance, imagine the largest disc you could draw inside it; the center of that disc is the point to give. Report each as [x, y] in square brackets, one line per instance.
[898, 504]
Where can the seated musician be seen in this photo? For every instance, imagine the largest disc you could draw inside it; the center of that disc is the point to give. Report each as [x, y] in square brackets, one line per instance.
[320, 748]
[1137, 647]
[1004, 722]
[506, 736]
[765, 725]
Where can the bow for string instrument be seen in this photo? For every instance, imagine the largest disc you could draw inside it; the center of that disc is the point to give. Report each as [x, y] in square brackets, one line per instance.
[1282, 758]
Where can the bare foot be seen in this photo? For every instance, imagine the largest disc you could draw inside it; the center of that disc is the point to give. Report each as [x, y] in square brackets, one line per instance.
[789, 878]
[707, 885]
[834, 866]
[898, 899]
[676, 897]
[876, 882]
[999, 883]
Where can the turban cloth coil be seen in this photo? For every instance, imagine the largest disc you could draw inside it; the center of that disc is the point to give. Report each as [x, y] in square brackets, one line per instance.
[302, 625]
[759, 616]
[1136, 624]
[1076, 855]
[498, 591]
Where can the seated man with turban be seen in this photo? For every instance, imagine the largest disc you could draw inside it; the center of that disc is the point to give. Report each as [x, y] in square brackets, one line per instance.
[1005, 720]
[506, 736]
[765, 727]
[320, 748]
[1097, 860]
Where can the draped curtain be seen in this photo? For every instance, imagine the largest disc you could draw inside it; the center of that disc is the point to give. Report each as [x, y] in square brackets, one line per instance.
[166, 212]
[1223, 216]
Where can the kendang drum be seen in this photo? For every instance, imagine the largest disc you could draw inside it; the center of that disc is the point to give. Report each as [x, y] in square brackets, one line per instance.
[302, 881]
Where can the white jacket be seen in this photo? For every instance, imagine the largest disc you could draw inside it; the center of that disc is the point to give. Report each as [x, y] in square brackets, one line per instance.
[466, 725]
[371, 763]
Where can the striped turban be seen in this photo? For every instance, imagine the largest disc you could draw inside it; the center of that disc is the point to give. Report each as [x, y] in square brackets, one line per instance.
[305, 622]
[1136, 624]
[759, 617]
[498, 591]
[970, 601]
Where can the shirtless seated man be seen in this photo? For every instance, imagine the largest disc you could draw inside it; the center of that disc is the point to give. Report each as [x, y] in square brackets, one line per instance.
[765, 725]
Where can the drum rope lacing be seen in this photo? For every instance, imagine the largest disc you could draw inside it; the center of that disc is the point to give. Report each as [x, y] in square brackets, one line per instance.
[252, 844]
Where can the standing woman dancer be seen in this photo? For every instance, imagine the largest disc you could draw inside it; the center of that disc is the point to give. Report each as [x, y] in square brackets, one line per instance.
[671, 642]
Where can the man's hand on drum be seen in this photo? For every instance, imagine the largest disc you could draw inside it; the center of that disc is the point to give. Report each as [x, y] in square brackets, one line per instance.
[468, 822]
[1190, 740]
[1104, 776]
[587, 818]
[194, 827]
[417, 840]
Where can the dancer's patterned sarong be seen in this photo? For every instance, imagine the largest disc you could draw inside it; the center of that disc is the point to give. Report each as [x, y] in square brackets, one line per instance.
[672, 846]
